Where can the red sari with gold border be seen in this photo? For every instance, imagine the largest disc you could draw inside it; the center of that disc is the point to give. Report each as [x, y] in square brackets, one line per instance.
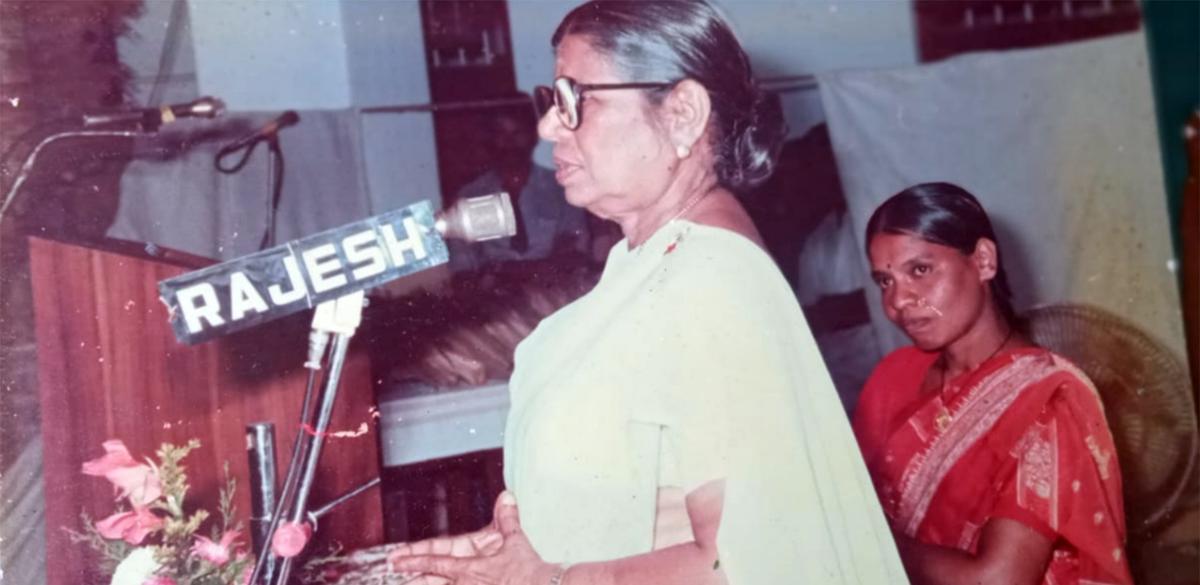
[1022, 437]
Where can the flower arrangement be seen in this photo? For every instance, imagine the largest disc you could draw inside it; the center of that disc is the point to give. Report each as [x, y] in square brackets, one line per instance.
[150, 539]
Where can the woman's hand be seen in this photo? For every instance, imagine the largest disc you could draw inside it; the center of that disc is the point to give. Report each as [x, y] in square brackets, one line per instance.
[485, 541]
[497, 555]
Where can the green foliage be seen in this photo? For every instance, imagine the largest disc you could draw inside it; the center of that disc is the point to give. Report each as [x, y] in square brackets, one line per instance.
[111, 551]
[174, 542]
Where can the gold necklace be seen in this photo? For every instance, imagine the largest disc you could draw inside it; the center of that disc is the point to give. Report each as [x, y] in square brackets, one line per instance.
[943, 418]
[686, 208]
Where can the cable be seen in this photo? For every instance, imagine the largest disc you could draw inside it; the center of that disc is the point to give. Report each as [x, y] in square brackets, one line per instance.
[239, 164]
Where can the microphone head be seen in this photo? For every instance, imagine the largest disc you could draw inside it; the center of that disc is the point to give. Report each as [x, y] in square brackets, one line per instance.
[287, 118]
[478, 219]
[205, 107]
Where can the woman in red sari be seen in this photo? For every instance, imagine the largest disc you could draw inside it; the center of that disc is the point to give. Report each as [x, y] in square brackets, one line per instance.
[991, 456]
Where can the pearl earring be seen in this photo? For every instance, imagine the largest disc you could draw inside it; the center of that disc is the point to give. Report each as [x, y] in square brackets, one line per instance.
[683, 151]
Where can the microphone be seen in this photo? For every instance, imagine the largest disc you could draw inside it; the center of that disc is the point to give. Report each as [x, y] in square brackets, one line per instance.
[151, 118]
[288, 118]
[304, 273]
[478, 219]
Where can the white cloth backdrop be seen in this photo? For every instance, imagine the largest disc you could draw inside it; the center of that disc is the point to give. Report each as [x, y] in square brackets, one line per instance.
[172, 196]
[1059, 144]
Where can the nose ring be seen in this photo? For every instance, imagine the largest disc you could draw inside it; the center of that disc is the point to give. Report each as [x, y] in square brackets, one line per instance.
[923, 303]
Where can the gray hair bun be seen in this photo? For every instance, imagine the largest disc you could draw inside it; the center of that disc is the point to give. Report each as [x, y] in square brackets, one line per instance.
[747, 155]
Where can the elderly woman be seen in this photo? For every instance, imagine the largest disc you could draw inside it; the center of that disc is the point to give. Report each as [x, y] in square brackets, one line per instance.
[675, 424]
[991, 455]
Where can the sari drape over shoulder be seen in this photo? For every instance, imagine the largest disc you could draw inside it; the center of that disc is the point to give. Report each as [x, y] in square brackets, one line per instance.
[1022, 437]
[690, 362]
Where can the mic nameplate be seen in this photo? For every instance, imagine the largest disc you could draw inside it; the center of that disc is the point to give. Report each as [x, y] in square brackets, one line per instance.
[301, 274]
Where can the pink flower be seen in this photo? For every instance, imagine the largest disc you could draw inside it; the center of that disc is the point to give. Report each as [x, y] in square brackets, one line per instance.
[116, 455]
[290, 538]
[137, 481]
[216, 553]
[132, 527]
[159, 580]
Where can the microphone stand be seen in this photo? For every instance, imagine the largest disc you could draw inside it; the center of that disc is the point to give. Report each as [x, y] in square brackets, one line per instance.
[339, 318]
[260, 450]
[475, 219]
[27, 166]
[274, 187]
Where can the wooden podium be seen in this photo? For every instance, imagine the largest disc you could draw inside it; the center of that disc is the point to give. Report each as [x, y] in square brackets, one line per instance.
[109, 367]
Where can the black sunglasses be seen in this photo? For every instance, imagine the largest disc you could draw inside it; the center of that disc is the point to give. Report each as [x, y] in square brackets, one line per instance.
[566, 96]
